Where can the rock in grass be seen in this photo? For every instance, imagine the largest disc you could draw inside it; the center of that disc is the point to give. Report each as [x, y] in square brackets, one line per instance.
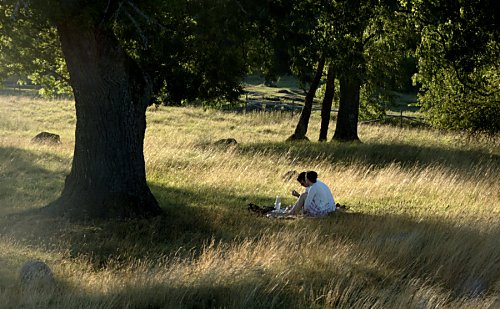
[226, 141]
[36, 276]
[46, 138]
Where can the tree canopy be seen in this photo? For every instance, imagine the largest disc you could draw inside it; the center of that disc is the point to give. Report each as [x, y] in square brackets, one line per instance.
[193, 50]
[459, 62]
[200, 50]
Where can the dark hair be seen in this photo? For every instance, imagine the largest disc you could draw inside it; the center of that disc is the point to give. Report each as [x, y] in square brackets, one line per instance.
[301, 177]
[312, 176]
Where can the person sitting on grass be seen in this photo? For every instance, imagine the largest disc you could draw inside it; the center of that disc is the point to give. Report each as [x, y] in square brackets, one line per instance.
[317, 201]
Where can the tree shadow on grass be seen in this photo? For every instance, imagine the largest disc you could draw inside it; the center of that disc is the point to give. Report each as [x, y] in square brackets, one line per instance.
[375, 154]
[23, 183]
[444, 256]
[460, 258]
[26, 187]
[201, 294]
[191, 219]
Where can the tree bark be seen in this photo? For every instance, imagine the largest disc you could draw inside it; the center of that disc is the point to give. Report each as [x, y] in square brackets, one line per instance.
[301, 128]
[326, 106]
[347, 119]
[108, 177]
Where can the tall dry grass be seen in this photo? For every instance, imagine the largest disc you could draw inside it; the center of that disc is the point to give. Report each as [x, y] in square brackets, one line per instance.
[422, 230]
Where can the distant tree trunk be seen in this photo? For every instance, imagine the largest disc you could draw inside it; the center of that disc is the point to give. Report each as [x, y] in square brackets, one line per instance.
[326, 106]
[108, 177]
[301, 129]
[347, 119]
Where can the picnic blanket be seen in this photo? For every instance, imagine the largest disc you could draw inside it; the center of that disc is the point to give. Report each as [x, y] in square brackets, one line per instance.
[271, 212]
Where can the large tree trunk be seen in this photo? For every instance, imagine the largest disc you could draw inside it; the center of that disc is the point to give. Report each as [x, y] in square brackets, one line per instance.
[347, 119]
[301, 128]
[108, 177]
[326, 106]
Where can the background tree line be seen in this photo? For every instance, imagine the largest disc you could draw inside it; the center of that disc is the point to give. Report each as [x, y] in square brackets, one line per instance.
[199, 51]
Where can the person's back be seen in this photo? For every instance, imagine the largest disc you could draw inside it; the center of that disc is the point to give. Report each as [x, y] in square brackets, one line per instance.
[327, 194]
[319, 200]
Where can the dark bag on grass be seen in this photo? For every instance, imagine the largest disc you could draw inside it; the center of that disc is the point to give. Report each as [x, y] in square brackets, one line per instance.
[260, 210]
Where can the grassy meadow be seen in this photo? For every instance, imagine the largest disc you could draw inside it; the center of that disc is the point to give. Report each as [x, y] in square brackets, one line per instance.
[422, 229]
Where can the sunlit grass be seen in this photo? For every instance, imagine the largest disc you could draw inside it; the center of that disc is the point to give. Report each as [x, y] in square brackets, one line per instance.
[422, 230]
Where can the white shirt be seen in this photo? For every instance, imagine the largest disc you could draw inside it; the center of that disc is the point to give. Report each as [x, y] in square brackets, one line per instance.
[319, 201]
